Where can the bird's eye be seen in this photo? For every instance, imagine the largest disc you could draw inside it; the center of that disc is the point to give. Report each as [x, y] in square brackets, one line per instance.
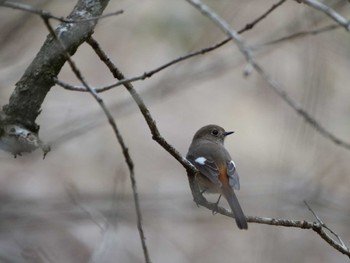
[215, 132]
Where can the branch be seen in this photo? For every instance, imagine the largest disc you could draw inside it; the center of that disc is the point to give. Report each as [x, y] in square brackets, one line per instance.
[246, 51]
[144, 110]
[147, 116]
[30, 92]
[297, 35]
[328, 11]
[73, 196]
[326, 227]
[317, 227]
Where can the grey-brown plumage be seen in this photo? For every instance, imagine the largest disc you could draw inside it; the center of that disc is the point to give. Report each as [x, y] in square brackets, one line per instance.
[217, 171]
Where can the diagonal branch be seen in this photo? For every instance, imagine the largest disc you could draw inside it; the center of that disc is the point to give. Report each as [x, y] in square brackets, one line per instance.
[297, 35]
[328, 11]
[326, 227]
[246, 51]
[144, 110]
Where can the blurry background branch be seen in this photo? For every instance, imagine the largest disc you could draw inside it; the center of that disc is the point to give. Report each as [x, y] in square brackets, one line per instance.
[247, 52]
[297, 35]
[328, 11]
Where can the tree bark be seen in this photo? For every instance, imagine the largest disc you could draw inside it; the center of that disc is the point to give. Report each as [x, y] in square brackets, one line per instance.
[30, 91]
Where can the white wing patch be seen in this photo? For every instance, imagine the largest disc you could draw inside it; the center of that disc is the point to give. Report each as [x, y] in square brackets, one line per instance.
[200, 160]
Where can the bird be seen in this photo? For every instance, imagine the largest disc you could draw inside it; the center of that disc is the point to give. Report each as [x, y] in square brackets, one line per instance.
[216, 170]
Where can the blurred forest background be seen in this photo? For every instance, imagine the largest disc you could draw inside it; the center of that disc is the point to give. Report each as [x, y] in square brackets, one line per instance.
[77, 205]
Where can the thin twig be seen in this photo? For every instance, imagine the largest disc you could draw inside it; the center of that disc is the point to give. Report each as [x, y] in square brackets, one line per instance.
[246, 51]
[132, 175]
[72, 193]
[43, 13]
[297, 35]
[225, 27]
[125, 150]
[328, 11]
[71, 87]
[326, 227]
[263, 16]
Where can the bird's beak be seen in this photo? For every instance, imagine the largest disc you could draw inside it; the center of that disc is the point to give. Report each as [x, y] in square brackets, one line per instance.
[228, 133]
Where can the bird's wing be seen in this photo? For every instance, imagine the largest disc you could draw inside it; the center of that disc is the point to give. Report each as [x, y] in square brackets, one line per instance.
[232, 175]
[207, 167]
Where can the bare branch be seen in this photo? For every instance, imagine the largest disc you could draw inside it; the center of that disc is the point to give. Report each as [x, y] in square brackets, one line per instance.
[246, 51]
[43, 13]
[144, 110]
[225, 27]
[72, 193]
[318, 227]
[328, 11]
[326, 227]
[297, 35]
[120, 139]
[68, 86]
[263, 16]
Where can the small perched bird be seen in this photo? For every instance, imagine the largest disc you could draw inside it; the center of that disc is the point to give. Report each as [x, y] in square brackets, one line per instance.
[217, 171]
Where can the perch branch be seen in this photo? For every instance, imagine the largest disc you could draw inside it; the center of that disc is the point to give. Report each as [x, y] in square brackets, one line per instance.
[317, 227]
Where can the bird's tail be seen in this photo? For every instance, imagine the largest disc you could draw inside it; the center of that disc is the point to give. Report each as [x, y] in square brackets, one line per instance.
[232, 200]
